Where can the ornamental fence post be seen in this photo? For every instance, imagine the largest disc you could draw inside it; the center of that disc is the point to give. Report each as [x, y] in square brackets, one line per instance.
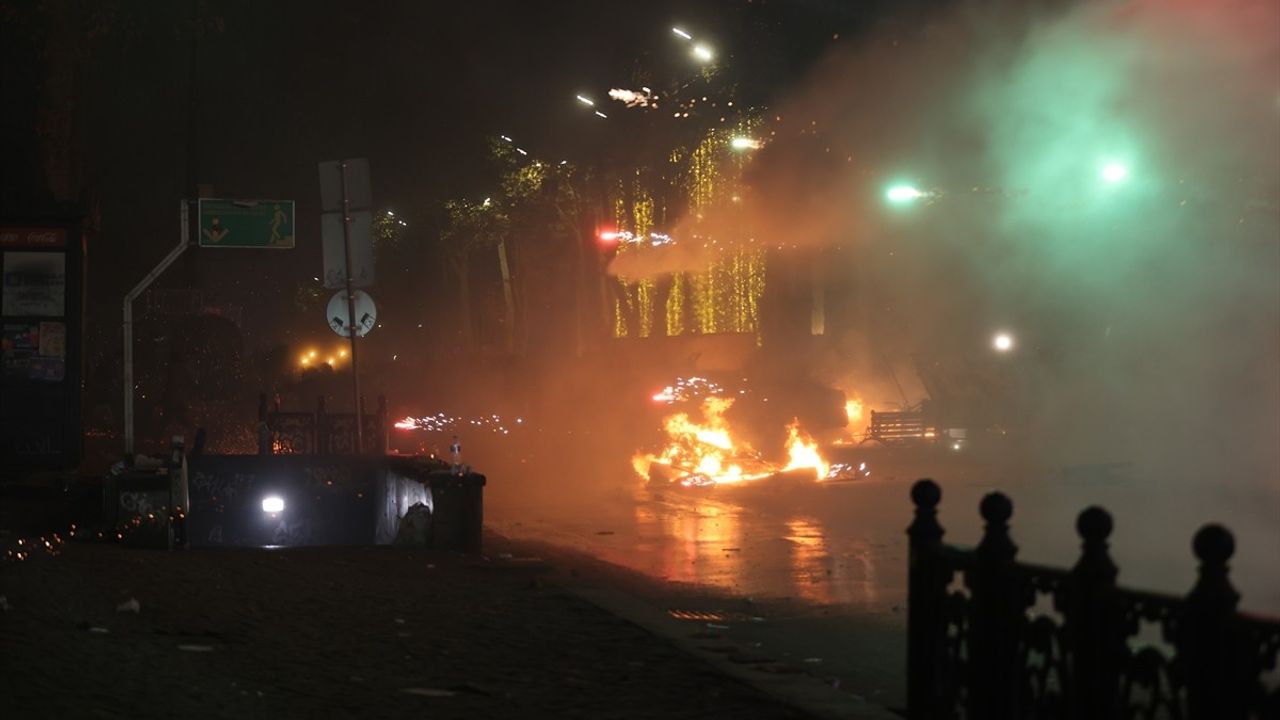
[926, 596]
[996, 618]
[1209, 643]
[1092, 630]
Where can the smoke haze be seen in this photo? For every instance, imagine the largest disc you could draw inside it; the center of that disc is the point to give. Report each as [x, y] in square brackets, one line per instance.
[1147, 310]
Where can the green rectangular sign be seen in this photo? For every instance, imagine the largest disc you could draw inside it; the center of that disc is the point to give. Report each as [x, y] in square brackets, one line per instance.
[246, 223]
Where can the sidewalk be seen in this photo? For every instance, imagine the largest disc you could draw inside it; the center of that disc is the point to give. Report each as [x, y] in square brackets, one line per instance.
[335, 632]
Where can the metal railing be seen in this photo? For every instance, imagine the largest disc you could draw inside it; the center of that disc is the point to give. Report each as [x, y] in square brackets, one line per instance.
[320, 432]
[990, 638]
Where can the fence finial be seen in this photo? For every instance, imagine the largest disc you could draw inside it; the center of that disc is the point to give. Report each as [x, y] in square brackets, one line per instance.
[1094, 527]
[1214, 546]
[925, 528]
[996, 509]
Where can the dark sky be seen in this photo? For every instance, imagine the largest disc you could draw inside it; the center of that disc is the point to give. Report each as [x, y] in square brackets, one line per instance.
[414, 86]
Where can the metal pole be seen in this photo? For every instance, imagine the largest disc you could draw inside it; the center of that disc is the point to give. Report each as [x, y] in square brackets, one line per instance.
[128, 324]
[351, 311]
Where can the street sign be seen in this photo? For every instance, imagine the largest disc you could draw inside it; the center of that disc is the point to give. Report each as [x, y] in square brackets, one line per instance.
[359, 195]
[366, 314]
[246, 223]
[335, 257]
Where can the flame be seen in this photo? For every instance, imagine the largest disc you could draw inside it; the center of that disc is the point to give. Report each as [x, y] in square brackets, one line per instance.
[802, 452]
[853, 410]
[706, 453]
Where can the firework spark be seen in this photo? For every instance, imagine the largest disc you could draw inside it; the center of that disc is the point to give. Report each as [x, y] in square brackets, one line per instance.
[631, 98]
[626, 237]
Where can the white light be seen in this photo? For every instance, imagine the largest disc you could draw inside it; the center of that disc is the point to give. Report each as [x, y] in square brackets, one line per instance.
[682, 33]
[601, 114]
[1003, 342]
[272, 504]
[744, 143]
[703, 53]
[522, 151]
[1114, 172]
[585, 100]
[504, 137]
[903, 194]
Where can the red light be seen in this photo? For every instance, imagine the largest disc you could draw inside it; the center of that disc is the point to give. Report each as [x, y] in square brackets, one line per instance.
[609, 238]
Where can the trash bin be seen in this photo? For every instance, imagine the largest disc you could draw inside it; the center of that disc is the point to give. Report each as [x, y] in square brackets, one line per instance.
[458, 510]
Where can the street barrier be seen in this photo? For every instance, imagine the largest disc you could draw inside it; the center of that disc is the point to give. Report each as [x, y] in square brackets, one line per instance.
[291, 500]
[319, 432]
[991, 638]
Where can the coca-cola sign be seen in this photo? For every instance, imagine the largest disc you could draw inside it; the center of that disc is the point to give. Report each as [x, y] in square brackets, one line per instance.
[33, 237]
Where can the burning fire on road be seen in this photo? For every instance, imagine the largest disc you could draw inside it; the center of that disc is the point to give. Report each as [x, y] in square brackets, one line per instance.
[705, 452]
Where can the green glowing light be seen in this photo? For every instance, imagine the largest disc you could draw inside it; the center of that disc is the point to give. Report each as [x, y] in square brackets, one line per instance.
[903, 194]
[1114, 172]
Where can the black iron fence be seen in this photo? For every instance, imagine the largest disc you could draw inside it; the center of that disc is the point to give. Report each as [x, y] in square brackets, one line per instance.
[320, 432]
[990, 638]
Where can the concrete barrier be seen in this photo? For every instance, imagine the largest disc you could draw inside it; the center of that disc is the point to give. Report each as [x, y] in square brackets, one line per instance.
[293, 500]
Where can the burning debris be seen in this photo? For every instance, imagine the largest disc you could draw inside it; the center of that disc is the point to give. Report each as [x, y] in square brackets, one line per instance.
[442, 423]
[626, 237]
[706, 453]
[690, 388]
[848, 471]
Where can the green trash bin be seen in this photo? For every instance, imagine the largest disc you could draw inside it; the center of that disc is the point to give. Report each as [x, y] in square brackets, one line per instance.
[457, 516]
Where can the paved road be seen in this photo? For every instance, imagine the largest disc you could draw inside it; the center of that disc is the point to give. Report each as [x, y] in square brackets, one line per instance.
[814, 574]
[824, 565]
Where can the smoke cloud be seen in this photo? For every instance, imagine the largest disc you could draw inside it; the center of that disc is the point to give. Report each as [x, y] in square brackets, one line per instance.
[1101, 180]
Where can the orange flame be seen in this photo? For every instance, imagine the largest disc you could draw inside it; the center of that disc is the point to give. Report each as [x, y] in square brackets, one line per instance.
[802, 452]
[705, 452]
[853, 410]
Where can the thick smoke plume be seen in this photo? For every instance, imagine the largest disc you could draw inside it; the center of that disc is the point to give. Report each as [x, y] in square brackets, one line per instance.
[1147, 307]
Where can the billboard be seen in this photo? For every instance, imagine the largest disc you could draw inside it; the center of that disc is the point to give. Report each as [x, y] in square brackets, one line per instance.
[41, 314]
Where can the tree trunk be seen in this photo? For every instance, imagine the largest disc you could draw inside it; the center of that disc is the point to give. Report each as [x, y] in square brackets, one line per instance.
[464, 301]
[509, 333]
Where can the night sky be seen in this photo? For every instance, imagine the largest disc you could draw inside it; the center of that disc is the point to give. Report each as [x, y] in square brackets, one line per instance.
[415, 87]
[418, 88]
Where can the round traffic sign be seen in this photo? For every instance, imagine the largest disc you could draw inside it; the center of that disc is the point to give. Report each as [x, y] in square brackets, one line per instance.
[366, 313]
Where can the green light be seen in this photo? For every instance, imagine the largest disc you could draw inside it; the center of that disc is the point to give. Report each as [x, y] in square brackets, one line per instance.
[903, 194]
[1114, 172]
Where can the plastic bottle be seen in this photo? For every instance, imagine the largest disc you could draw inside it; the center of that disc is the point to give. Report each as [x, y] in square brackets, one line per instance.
[455, 452]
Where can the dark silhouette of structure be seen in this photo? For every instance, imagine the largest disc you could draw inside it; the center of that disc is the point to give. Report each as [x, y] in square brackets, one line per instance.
[991, 638]
[319, 432]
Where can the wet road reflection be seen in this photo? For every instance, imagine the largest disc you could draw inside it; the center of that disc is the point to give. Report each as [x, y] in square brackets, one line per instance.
[816, 545]
[845, 544]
